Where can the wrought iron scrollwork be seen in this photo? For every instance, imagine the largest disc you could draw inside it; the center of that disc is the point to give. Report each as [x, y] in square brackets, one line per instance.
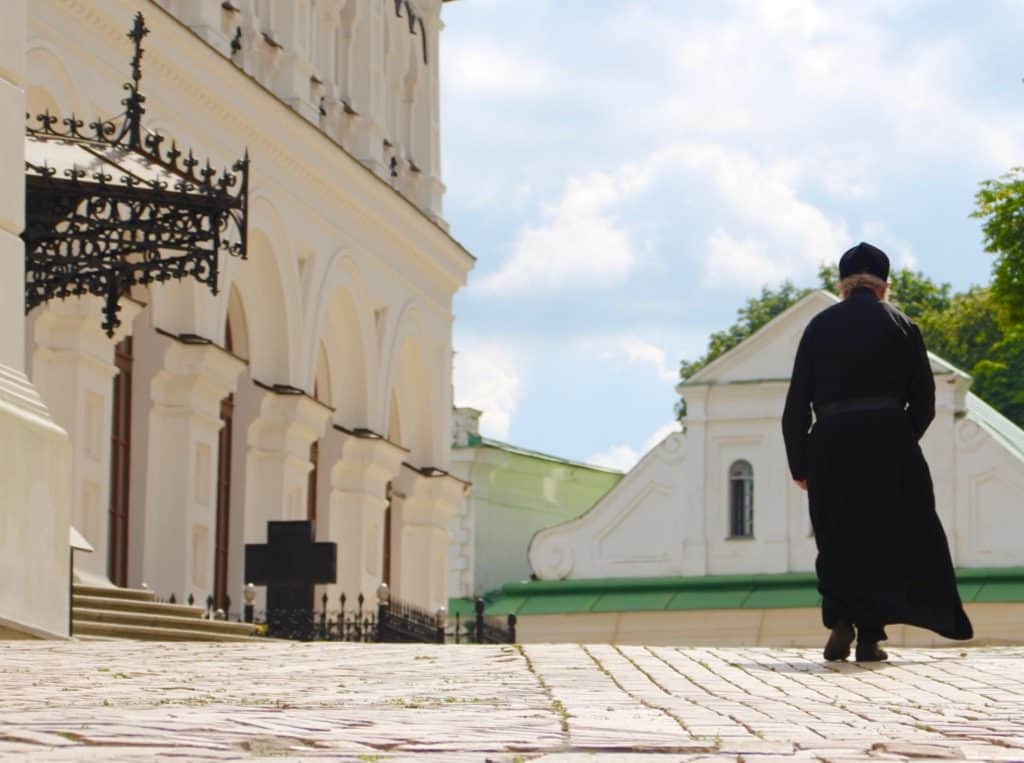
[122, 208]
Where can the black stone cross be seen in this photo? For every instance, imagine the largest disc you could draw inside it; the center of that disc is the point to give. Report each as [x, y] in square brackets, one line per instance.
[289, 564]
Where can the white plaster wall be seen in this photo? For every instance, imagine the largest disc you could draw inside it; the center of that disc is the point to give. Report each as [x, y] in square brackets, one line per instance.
[989, 480]
[336, 256]
[349, 67]
[670, 514]
[35, 454]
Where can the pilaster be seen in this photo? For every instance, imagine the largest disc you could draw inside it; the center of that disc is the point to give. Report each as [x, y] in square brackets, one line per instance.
[35, 471]
[180, 527]
[73, 368]
[422, 507]
[277, 463]
[362, 464]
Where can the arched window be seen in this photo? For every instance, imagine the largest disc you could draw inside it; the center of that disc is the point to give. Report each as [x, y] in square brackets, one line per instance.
[741, 500]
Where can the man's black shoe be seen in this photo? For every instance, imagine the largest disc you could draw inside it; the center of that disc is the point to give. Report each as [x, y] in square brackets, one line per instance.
[838, 646]
[871, 653]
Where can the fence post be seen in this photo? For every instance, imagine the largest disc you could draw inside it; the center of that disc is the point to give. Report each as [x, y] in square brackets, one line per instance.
[458, 627]
[442, 624]
[249, 594]
[383, 599]
[512, 627]
[478, 625]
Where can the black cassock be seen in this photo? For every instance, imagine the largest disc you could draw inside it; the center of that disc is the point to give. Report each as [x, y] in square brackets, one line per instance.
[882, 553]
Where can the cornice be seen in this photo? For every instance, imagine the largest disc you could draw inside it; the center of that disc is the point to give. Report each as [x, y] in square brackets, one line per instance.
[416, 230]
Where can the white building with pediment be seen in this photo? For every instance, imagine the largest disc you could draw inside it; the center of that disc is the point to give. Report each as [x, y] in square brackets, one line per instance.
[315, 383]
[716, 499]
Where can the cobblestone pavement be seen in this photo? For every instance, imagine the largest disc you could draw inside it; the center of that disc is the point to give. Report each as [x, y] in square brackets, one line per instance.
[355, 702]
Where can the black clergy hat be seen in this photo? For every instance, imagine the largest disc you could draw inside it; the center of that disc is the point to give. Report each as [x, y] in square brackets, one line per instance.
[864, 258]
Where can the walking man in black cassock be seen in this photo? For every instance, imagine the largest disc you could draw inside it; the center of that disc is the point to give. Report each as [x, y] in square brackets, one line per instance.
[883, 558]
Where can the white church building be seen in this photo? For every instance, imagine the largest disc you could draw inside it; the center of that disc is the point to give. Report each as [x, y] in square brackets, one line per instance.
[315, 383]
[713, 509]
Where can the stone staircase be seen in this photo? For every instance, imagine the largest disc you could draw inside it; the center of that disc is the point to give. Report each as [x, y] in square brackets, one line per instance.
[101, 613]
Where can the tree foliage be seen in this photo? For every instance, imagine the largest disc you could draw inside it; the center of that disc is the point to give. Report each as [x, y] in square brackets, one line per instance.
[975, 335]
[972, 330]
[1000, 204]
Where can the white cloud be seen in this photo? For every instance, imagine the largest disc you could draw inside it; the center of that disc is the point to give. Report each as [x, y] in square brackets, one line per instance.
[481, 69]
[787, 235]
[856, 92]
[581, 246]
[624, 457]
[621, 457]
[744, 262]
[900, 251]
[636, 350]
[488, 376]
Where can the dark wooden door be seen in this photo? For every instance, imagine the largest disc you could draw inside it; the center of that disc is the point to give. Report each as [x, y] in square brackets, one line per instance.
[223, 531]
[314, 457]
[120, 464]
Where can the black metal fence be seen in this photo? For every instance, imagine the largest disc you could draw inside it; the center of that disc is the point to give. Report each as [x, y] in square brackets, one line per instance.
[391, 621]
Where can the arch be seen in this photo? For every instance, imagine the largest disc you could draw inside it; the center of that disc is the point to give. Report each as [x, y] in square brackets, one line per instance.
[49, 84]
[267, 289]
[338, 319]
[741, 499]
[412, 383]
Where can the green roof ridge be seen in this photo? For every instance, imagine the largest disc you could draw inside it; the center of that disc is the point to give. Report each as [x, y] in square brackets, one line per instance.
[762, 591]
[625, 585]
[487, 442]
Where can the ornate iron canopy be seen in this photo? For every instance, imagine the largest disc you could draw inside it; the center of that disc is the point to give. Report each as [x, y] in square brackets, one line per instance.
[111, 206]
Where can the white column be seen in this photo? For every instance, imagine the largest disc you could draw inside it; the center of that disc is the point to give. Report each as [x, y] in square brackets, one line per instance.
[73, 368]
[361, 465]
[422, 509]
[432, 191]
[35, 470]
[366, 134]
[277, 464]
[181, 488]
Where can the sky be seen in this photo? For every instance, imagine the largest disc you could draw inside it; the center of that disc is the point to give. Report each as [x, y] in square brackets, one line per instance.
[629, 172]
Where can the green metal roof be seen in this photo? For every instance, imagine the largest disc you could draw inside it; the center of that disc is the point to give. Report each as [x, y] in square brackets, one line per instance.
[794, 589]
[476, 441]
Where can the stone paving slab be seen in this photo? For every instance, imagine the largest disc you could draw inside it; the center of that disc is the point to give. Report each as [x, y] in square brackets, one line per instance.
[557, 703]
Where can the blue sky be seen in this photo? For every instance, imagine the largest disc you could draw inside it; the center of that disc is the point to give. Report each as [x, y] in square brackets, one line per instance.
[629, 172]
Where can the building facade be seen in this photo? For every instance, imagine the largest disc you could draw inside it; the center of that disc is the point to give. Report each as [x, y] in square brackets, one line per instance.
[515, 494]
[708, 540]
[316, 382]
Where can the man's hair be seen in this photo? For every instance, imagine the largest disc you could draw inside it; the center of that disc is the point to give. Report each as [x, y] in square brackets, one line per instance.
[863, 280]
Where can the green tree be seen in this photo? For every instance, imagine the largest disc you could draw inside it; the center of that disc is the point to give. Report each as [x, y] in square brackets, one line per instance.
[974, 334]
[911, 291]
[971, 330]
[753, 315]
[1000, 204]
[997, 379]
[966, 332]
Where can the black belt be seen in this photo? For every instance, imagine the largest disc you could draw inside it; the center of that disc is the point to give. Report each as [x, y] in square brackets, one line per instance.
[858, 404]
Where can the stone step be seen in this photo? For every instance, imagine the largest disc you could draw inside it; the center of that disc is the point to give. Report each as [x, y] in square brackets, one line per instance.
[78, 637]
[112, 592]
[150, 633]
[161, 622]
[136, 605]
